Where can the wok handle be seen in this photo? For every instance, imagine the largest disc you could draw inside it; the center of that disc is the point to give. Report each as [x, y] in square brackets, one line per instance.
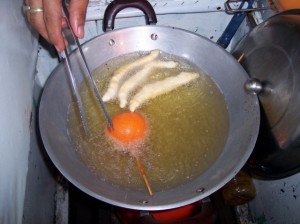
[117, 5]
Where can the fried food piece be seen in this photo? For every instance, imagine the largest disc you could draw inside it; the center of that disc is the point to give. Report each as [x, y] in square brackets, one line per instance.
[157, 88]
[139, 78]
[121, 73]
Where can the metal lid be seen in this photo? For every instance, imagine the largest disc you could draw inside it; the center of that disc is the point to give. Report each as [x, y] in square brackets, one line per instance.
[269, 54]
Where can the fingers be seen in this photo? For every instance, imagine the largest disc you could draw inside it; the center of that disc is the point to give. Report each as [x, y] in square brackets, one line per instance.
[77, 11]
[53, 21]
[49, 22]
[37, 19]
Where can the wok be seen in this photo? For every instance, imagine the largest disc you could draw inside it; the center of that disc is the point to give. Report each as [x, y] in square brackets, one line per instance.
[243, 110]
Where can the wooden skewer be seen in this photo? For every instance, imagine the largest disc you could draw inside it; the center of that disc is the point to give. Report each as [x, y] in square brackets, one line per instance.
[139, 163]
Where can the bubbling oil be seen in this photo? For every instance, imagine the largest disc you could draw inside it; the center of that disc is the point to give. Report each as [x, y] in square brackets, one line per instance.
[187, 130]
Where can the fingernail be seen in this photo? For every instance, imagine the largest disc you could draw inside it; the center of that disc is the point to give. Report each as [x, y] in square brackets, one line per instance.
[80, 31]
[57, 48]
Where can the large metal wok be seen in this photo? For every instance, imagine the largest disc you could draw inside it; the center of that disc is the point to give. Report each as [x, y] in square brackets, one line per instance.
[243, 112]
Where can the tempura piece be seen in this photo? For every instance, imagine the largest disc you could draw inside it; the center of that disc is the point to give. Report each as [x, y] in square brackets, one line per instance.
[121, 73]
[157, 88]
[139, 78]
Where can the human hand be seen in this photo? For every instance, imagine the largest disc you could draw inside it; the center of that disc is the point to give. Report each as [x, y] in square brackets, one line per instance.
[46, 17]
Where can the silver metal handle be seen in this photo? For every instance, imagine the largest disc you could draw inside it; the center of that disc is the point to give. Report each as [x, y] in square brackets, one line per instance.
[91, 79]
[230, 10]
[75, 92]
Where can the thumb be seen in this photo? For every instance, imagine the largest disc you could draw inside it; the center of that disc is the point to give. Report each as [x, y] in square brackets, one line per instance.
[77, 11]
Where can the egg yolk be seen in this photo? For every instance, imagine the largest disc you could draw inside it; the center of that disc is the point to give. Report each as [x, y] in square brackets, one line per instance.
[128, 127]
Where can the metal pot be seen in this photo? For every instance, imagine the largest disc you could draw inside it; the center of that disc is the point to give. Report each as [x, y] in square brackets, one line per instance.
[270, 54]
[229, 75]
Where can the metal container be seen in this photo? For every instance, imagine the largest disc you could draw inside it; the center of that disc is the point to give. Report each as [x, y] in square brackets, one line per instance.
[243, 110]
[270, 54]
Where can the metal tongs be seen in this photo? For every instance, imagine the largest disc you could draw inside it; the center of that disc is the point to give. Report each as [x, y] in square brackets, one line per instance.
[230, 10]
[90, 78]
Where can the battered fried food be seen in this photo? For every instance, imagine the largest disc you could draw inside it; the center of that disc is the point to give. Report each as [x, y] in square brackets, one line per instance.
[121, 73]
[140, 78]
[152, 90]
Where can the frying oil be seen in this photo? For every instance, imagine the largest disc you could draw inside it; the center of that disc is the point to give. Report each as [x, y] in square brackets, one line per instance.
[187, 130]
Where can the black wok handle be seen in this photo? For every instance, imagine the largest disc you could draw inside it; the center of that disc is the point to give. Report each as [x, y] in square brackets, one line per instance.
[117, 5]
